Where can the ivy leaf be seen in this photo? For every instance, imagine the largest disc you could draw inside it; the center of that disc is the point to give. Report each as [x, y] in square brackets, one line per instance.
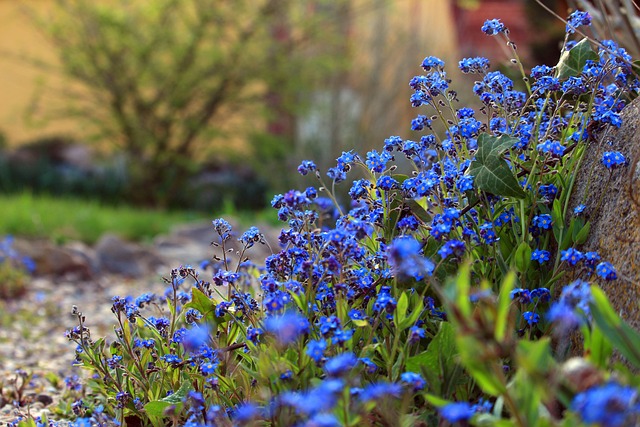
[573, 61]
[490, 171]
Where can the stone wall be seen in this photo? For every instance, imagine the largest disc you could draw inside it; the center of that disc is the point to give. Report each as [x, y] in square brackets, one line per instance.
[613, 207]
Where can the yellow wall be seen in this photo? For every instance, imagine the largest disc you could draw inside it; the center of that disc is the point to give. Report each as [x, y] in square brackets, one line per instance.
[428, 23]
[20, 44]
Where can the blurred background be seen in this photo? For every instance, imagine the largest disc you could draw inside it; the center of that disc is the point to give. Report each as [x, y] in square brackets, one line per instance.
[208, 105]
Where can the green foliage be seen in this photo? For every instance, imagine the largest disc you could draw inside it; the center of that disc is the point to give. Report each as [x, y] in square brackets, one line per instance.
[573, 61]
[490, 171]
[62, 219]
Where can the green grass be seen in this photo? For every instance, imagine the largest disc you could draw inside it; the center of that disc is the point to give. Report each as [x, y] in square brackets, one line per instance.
[62, 219]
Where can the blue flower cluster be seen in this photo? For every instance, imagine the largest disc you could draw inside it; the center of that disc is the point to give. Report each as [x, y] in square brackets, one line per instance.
[344, 313]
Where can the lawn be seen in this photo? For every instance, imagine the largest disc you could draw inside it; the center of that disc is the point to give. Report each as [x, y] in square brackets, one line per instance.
[62, 219]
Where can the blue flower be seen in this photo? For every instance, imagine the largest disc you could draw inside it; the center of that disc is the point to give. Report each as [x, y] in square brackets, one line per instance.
[416, 334]
[541, 294]
[370, 367]
[457, 411]
[251, 236]
[572, 256]
[432, 62]
[319, 399]
[315, 350]
[377, 161]
[208, 368]
[531, 317]
[253, 334]
[541, 71]
[406, 260]
[379, 390]
[465, 183]
[540, 255]
[549, 191]
[523, 296]
[307, 166]
[386, 183]
[578, 210]
[340, 364]
[577, 19]
[491, 27]
[245, 412]
[323, 420]
[606, 271]
[223, 228]
[613, 159]
[171, 359]
[452, 247]
[572, 306]
[542, 221]
[287, 327]
[609, 405]
[414, 380]
[474, 65]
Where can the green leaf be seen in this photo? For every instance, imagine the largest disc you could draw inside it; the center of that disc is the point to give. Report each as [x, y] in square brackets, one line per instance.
[179, 395]
[156, 408]
[206, 306]
[457, 290]
[443, 345]
[597, 346]
[535, 357]
[581, 236]
[618, 332]
[522, 257]
[572, 62]
[361, 323]
[490, 171]
[504, 301]
[418, 211]
[401, 308]
[413, 317]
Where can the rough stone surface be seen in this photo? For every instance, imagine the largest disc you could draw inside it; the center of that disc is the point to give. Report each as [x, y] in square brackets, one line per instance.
[54, 260]
[118, 256]
[613, 207]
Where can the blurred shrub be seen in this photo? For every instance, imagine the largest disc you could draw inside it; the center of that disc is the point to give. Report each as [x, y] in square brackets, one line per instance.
[45, 166]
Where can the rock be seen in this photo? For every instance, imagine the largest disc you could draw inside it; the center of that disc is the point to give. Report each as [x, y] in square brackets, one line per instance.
[54, 260]
[45, 399]
[613, 207]
[116, 256]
